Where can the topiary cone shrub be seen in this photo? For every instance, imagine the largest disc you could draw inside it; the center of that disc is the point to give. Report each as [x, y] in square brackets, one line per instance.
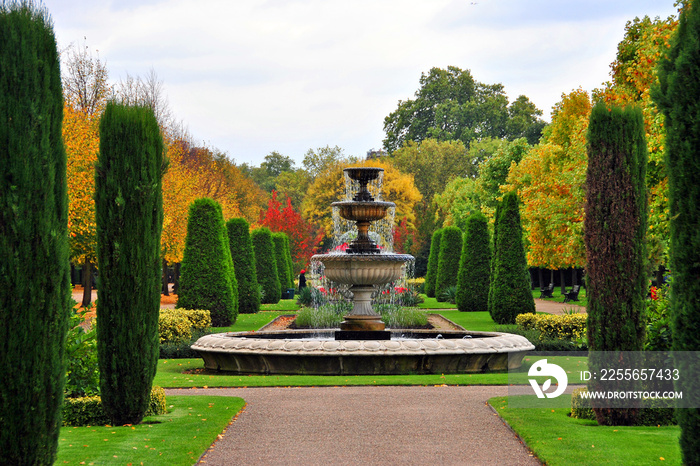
[207, 278]
[283, 273]
[448, 260]
[510, 293]
[244, 265]
[266, 265]
[431, 274]
[129, 219]
[290, 261]
[34, 268]
[474, 277]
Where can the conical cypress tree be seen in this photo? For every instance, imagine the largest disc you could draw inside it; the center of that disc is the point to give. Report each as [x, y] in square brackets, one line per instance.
[431, 275]
[281, 257]
[448, 260]
[290, 262]
[266, 265]
[474, 277]
[510, 293]
[615, 237]
[244, 265]
[679, 98]
[34, 269]
[207, 276]
[129, 219]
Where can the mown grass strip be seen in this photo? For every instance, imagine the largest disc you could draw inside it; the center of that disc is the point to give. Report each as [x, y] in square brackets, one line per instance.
[558, 439]
[188, 373]
[178, 437]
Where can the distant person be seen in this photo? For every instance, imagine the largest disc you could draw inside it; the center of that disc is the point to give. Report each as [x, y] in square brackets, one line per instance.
[302, 279]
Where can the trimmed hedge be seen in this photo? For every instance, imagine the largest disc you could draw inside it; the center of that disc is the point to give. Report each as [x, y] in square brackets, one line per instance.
[474, 277]
[244, 265]
[129, 220]
[178, 325]
[677, 96]
[88, 411]
[509, 294]
[207, 276]
[266, 265]
[554, 327]
[34, 267]
[448, 261]
[655, 416]
[433, 257]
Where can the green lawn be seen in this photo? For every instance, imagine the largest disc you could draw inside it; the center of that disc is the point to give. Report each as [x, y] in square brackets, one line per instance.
[249, 322]
[558, 439]
[558, 297]
[179, 437]
[432, 303]
[170, 375]
[283, 305]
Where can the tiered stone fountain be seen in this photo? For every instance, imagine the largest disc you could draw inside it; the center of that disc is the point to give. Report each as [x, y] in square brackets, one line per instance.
[362, 345]
[363, 266]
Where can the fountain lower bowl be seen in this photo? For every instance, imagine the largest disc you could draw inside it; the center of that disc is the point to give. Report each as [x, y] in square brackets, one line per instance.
[316, 353]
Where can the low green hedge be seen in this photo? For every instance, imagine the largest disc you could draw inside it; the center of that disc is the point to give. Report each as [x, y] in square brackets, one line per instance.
[87, 411]
[659, 414]
[178, 325]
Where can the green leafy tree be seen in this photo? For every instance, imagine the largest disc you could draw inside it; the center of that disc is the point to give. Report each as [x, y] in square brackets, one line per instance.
[448, 260]
[474, 277]
[678, 97]
[244, 265]
[266, 265]
[431, 275]
[615, 237]
[34, 251]
[283, 273]
[451, 105]
[207, 276]
[510, 293]
[129, 218]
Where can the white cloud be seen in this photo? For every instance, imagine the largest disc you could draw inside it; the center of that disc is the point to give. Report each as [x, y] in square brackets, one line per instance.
[256, 76]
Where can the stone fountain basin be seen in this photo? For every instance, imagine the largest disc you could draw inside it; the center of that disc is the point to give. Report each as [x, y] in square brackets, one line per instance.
[363, 269]
[317, 353]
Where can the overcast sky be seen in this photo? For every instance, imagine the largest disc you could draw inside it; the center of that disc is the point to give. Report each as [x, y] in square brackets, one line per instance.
[255, 76]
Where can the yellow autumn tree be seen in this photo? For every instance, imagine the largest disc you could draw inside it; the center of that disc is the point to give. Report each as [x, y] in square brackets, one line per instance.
[329, 187]
[549, 181]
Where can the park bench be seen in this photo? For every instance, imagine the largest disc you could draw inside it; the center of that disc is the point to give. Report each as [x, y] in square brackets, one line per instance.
[546, 291]
[573, 294]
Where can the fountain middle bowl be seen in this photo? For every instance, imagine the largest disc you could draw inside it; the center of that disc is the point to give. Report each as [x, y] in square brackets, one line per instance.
[363, 269]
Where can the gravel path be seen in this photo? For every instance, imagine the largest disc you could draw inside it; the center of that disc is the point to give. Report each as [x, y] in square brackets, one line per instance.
[366, 425]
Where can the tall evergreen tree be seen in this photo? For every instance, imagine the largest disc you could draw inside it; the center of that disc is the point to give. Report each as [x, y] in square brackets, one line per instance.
[448, 260]
[266, 265]
[678, 96]
[129, 219]
[207, 276]
[474, 277]
[431, 275]
[615, 237]
[281, 257]
[244, 265]
[34, 270]
[290, 261]
[510, 293]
